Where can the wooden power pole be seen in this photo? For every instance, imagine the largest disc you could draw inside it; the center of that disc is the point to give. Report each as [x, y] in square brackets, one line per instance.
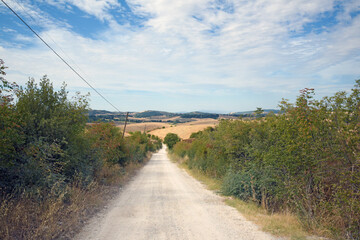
[126, 119]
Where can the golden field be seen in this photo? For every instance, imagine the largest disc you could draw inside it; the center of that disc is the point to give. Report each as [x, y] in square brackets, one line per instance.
[184, 130]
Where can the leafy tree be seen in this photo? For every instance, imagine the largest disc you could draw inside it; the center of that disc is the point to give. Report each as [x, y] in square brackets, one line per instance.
[306, 159]
[171, 139]
[11, 135]
[259, 112]
[52, 147]
[49, 157]
[49, 114]
[107, 139]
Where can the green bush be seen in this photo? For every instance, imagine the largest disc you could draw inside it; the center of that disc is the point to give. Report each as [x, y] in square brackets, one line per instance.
[305, 159]
[171, 139]
[45, 141]
[45, 145]
[180, 148]
[237, 184]
[53, 166]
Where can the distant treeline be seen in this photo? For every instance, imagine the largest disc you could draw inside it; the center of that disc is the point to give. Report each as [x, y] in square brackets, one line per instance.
[148, 114]
[200, 115]
[110, 118]
[306, 160]
[106, 116]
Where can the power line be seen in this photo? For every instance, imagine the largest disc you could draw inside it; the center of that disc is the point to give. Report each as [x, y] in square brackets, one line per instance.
[36, 22]
[49, 37]
[78, 74]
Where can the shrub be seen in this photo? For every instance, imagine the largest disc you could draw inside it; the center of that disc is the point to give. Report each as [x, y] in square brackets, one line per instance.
[305, 160]
[53, 169]
[180, 148]
[50, 145]
[171, 139]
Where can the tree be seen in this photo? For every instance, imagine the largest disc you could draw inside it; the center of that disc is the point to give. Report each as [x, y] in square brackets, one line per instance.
[258, 112]
[11, 135]
[43, 136]
[107, 139]
[7, 88]
[171, 139]
[306, 159]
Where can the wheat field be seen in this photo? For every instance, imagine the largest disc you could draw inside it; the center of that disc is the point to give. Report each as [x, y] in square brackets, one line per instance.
[184, 130]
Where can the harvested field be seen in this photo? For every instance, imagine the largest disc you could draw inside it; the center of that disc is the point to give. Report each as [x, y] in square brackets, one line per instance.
[147, 126]
[184, 130]
[206, 121]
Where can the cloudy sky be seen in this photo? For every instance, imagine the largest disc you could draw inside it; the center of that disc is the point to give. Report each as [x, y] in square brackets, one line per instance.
[209, 55]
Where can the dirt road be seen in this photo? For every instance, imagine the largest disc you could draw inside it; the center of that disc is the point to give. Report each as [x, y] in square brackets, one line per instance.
[164, 202]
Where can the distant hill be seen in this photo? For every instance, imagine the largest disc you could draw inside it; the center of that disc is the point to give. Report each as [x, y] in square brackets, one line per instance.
[266, 111]
[199, 115]
[103, 112]
[159, 116]
[152, 113]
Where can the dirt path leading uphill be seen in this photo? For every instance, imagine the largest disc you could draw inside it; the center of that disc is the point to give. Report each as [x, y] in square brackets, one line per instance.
[164, 202]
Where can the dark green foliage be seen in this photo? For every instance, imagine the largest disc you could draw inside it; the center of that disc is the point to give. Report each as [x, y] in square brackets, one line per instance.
[48, 146]
[44, 141]
[107, 139]
[181, 148]
[11, 136]
[149, 114]
[237, 184]
[156, 142]
[195, 134]
[200, 115]
[52, 166]
[141, 143]
[259, 112]
[306, 160]
[171, 139]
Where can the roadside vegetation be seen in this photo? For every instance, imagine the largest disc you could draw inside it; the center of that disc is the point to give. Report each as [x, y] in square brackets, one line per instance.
[171, 139]
[303, 162]
[282, 224]
[55, 170]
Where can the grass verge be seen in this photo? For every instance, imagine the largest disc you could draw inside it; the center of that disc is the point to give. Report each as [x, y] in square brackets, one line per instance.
[62, 214]
[278, 224]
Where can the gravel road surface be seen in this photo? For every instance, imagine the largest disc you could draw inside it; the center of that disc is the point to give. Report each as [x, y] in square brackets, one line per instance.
[164, 202]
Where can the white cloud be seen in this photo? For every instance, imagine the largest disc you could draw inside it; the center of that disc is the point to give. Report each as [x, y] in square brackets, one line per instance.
[191, 46]
[8, 30]
[97, 8]
[33, 14]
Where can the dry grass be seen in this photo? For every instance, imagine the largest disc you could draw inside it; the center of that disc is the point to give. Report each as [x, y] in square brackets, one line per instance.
[278, 224]
[184, 130]
[61, 215]
[205, 121]
[147, 126]
[28, 217]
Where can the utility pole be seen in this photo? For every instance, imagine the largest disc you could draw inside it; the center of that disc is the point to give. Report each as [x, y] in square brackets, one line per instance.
[126, 119]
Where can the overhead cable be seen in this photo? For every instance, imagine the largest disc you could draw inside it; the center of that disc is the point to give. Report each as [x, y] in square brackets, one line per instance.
[64, 61]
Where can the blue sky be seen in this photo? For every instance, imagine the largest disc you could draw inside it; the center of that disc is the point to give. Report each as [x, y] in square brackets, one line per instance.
[213, 55]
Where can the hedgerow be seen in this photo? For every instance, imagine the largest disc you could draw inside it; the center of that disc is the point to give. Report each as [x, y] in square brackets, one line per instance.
[305, 160]
[50, 159]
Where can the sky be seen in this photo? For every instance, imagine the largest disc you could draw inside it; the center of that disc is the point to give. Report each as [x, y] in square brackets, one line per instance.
[189, 55]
